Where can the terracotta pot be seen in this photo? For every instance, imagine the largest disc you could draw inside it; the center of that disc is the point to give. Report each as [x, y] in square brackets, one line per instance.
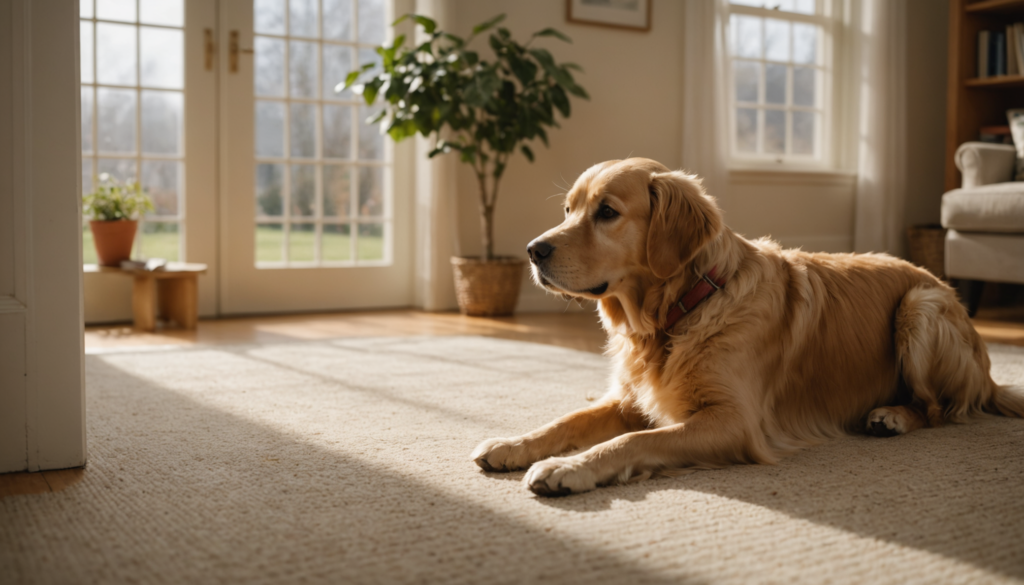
[113, 240]
[488, 288]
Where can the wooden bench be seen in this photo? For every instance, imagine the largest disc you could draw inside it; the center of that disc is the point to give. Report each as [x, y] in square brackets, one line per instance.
[171, 293]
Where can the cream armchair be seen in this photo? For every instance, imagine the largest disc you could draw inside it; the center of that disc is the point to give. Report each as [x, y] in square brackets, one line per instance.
[985, 218]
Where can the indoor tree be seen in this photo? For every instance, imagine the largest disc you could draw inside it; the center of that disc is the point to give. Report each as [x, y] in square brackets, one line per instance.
[483, 108]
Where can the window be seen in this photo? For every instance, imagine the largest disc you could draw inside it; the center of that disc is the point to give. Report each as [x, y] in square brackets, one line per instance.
[323, 194]
[133, 83]
[780, 81]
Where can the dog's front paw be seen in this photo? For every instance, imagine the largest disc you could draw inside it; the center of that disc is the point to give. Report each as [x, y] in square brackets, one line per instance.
[885, 422]
[501, 455]
[560, 476]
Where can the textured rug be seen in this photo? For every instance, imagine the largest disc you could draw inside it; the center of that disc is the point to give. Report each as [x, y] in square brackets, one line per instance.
[347, 462]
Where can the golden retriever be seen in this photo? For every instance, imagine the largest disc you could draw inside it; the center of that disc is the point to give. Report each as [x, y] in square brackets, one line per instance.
[794, 348]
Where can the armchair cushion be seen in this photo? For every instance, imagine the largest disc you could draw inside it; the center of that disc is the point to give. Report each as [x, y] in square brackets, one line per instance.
[990, 208]
[983, 163]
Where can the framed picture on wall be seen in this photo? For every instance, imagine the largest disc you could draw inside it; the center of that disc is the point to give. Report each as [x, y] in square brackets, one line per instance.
[630, 14]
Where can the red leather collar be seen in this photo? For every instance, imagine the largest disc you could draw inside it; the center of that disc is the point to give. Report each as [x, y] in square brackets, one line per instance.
[705, 287]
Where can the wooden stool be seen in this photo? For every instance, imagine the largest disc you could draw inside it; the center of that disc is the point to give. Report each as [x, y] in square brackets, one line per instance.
[173, 293]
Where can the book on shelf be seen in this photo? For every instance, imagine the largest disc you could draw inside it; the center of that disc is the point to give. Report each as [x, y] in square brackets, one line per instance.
[1001, 52]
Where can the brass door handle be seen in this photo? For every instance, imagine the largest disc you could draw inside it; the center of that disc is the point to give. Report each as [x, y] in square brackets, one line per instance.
[210, 48]
[233, 50]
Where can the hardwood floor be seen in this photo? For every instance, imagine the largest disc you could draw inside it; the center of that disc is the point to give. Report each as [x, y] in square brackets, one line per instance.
[578, 330]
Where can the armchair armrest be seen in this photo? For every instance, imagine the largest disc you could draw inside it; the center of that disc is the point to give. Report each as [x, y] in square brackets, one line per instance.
[983, 163]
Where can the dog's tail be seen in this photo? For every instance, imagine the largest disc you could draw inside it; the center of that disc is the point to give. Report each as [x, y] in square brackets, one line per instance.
[1007, 401]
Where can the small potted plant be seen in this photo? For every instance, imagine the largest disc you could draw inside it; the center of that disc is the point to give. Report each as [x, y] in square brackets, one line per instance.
[485, 110]
[115, 208]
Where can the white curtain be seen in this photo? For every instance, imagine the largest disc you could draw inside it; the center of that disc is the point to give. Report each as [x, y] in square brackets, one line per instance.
[435, 240]
[881, 173]
[705, 97]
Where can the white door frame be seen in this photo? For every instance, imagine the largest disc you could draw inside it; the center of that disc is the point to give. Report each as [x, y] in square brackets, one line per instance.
[42, 388]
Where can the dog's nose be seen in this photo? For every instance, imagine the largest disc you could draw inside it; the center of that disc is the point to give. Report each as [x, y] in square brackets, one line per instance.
[539, 251]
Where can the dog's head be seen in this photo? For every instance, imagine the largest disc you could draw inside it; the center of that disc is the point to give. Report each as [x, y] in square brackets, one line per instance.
[625, 221]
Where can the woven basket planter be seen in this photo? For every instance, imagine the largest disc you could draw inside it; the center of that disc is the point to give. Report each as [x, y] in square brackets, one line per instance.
[487, 289]
[928, 248]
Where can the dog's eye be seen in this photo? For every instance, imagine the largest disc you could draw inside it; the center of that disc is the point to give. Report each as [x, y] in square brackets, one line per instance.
[567, 211]
[606, 212]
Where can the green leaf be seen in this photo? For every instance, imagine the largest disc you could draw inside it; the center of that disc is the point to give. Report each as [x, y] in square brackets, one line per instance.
[527, 152]
[470, 57]
[428, 25]
[573, 66]
[550, 32]
[560, 100]
[457, 41]
[486, 25]
[349, 80]
[523, 69]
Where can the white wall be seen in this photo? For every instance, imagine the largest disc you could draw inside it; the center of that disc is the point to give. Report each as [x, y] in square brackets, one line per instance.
[634, 79]
[42, 391]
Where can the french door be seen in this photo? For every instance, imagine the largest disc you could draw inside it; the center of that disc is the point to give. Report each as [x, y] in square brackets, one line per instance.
[226, 112]
[315, 202]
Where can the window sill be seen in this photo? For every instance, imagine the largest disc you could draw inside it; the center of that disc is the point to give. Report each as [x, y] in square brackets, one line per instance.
[791, 176]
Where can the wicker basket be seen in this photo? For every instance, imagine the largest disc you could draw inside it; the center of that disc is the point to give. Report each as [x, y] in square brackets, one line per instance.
[928, 248]
[487, 288]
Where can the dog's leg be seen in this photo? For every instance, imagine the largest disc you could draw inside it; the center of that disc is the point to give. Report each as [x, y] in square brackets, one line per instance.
[576, 430]
[890, 421]
[712, 437]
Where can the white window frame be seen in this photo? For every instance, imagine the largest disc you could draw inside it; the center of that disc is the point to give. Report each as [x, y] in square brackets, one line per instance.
[835, 67]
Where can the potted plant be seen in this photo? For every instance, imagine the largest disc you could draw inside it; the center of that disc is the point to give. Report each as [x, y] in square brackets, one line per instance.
[115, 208]
[485, 110]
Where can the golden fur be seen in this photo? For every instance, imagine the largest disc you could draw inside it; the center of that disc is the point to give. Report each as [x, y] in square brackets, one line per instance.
[795, 348]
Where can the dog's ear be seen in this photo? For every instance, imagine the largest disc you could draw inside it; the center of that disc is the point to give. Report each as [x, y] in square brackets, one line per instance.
[683, 220]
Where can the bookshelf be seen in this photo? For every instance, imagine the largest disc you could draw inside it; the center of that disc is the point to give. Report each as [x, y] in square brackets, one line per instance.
[974, 102]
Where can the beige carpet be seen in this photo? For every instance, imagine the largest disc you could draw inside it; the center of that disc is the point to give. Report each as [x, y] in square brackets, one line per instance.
[347, 462]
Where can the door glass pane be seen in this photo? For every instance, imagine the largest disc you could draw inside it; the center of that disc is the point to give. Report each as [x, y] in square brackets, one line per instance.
[337, 22]
[269, 190]
[370, 243]
[303, 190]
[337, 62]
[336, 243]
[337, 131]
[165, 12]
[303, 49]
[371, 192]
[115, 54]
[269, 128]
[116, 10]
[159, 239]
[163, 57]
[372, 25]
[116, 124]
[85, 53]
[122, 169]
[161, 180]
[269, 242]
[303, 130]
[302, 66]
[302, 243]
[302, 18]
[162, 117]
[337, 190]
[269, 67]
[87, 119]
